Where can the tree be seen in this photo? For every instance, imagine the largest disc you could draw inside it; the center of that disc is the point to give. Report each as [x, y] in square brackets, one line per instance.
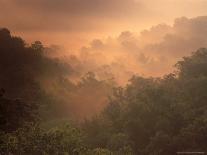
[159, 115]
[15, 113]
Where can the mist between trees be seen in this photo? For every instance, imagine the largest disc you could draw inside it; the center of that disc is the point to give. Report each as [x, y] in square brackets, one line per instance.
[42, 111]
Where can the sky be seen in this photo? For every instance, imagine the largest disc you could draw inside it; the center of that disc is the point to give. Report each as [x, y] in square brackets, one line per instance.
[76, 22]
[148, 35]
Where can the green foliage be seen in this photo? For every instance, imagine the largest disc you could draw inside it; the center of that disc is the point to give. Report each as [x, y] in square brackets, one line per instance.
[157, 115]
[194, 66]
[15, 113]
[149, 116]
[35, 140]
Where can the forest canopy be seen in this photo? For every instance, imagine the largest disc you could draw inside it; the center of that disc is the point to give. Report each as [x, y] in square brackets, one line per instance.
[40, 106]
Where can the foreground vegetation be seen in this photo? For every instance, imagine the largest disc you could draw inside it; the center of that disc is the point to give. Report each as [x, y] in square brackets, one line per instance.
[149, 116]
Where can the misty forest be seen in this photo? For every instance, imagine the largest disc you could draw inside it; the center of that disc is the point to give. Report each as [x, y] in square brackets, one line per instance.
[43, 111]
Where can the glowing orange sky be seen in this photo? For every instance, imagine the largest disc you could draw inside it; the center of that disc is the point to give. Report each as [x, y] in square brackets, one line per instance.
[106, 33]
[74, 23]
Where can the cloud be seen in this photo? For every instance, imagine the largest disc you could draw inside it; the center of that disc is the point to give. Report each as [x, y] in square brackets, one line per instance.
[62, 15]
[93, 15]
[73, 23]
[153, 52]
[79, 7]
